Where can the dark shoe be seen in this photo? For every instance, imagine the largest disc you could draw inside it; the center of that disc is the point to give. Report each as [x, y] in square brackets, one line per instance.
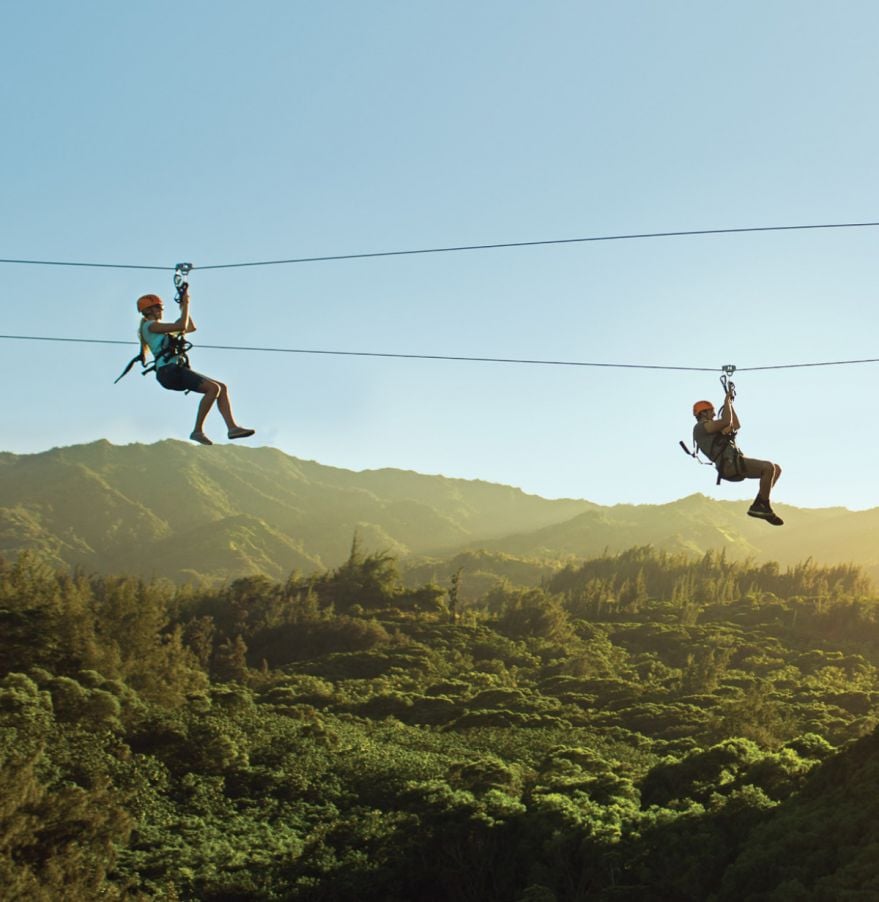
[762, 510]
[240, 432]
[201, 438]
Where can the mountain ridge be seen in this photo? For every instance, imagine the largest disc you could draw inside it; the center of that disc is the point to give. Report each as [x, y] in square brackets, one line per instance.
[186, 513]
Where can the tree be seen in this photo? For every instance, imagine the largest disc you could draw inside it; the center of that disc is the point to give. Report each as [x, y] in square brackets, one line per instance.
[58, 826]
[230, 661]
[371, 581]
[534, 613]
[454, 588]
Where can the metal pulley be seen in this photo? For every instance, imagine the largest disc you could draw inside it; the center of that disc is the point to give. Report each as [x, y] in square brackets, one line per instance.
[729, 387]
[181, 271]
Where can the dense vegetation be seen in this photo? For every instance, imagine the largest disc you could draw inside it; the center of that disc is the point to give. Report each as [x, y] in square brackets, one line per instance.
[640, 726]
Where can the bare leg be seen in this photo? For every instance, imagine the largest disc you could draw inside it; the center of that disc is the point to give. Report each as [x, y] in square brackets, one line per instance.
[768, 478]
[224, 405]
[219, 392]
[210, 390]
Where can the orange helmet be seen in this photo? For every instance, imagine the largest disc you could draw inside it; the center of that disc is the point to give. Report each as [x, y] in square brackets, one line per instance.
[147, 301]
[701, 406]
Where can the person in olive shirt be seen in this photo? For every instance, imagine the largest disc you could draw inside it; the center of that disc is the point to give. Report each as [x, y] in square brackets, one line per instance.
[709, 437]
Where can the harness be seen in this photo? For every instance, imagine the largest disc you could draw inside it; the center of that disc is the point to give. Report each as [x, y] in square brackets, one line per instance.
[727, 457]
[723, 453]
[174, 344]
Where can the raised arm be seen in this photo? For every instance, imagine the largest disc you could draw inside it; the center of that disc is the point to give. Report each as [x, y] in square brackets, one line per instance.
[727, 422]
[184, 323]
[729, 410]
[736, 425]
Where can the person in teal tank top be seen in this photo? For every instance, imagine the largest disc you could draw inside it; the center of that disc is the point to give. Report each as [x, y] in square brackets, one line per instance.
[174, 373]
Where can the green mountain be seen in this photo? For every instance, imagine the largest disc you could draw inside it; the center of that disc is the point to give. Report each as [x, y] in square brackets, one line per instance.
[698, 524]
[174, 510]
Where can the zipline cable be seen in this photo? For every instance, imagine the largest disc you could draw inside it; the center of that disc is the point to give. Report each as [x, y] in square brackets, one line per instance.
[796, 366]
[94, 265]
[511, 244]
[459, 358]
[631, 366]
[466, 247]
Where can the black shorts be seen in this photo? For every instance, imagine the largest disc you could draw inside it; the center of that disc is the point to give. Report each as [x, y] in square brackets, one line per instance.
[179, 378]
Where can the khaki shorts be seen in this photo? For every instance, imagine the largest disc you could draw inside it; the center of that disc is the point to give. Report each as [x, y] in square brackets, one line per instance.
[753, 468]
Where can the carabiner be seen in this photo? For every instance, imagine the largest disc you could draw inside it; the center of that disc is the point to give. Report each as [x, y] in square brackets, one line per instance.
[181, 271]
[726, 380]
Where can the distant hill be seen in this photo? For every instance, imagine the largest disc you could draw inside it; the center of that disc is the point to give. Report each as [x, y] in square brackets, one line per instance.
[697, 524]
[190, 513]
[171, 509]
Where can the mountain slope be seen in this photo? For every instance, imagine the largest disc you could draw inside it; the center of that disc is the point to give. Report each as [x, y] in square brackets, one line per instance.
[695, 524]
[218, 513]
[147, 509]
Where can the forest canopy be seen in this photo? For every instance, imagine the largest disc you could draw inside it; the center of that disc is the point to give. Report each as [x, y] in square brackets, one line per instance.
[635, 722]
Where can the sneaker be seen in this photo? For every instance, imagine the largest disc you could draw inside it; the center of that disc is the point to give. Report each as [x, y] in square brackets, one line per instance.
[240, 432]
[762, 510]
[201, 438]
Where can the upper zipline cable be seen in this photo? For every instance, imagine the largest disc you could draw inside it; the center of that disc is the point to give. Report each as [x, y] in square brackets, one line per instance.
[438, 250]
[459, 358]
[467, 247]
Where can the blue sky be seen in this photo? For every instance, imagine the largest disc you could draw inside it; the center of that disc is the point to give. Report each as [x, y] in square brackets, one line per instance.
[222, 133]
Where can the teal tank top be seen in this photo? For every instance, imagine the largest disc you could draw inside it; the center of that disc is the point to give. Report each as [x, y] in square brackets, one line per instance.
[155, 340]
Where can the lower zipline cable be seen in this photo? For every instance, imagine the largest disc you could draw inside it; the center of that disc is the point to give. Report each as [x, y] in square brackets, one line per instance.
[461, 358]
[457, 357]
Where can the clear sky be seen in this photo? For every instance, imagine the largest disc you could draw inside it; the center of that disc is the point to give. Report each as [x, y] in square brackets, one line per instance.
[157, 132]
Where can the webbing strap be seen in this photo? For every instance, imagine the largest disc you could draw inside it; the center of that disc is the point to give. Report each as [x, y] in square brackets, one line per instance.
[127, 370]
[174, 345]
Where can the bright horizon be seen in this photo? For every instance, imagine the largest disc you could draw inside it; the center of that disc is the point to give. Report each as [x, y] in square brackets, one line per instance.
[160, 133]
